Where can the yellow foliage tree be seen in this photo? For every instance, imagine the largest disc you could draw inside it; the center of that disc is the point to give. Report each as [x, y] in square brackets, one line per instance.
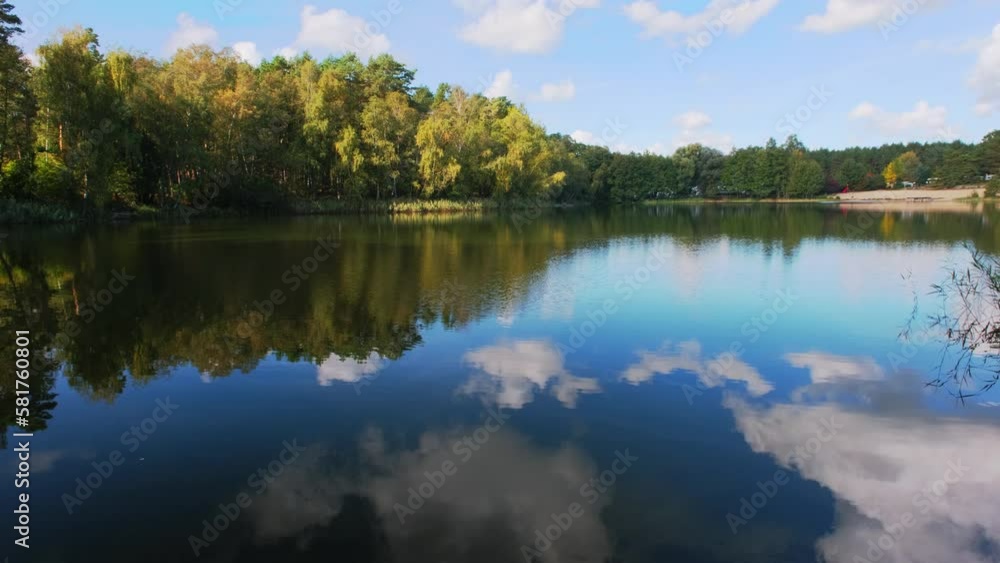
[890, 174]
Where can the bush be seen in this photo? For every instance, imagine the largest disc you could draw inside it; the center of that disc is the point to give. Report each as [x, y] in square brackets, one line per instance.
[51, 180]
[120, 186]
[993, 188]
[15, 178]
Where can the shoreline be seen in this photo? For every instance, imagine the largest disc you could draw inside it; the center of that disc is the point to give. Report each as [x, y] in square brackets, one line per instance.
[36, 213]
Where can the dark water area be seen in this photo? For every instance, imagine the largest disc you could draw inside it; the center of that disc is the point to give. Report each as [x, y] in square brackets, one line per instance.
[690, 383]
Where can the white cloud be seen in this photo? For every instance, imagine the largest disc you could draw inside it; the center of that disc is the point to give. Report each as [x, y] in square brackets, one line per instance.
[517, 369]
[610, 136]
[986, 75]
[686, 357]
[590, 138]
[518, 26]
[502, 85]
[585, 137]
[926, 121]
[492, 506]
[190, 32]
[33, 58]
[887, 472]
[844, 15]
[693, 120]
[831, 368]
[721, 141]
[660, 149]
[557, 92]
[694, 130]
[247, 50]
[287, 52]
[347, 370]
[736, 16]
[832, 375]
[336, 31]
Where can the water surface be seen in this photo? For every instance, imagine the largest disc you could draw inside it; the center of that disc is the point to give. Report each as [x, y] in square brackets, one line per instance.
[735, 375]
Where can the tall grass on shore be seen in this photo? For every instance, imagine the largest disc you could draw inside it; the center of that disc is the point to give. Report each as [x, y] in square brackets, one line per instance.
[15, 212]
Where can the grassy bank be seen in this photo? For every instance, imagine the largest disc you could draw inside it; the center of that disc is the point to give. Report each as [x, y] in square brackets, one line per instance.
[20, 212]
[416, 206]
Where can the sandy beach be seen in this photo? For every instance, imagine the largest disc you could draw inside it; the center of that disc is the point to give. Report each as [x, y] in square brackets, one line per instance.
[913, 195]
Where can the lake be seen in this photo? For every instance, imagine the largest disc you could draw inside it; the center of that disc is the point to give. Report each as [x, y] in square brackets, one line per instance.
[690, 383]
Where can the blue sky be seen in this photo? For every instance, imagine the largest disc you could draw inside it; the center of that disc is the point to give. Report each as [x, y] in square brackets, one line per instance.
[633, 75]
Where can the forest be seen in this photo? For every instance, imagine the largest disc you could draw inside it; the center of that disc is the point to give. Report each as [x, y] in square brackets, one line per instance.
[87, 133]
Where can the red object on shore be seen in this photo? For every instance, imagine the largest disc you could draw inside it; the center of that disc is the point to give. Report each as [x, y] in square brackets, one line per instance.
[846, 189]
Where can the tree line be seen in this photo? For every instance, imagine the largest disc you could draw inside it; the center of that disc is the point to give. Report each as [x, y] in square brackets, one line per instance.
[98, 132]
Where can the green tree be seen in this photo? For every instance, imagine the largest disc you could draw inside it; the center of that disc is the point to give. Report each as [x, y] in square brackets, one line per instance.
[524, 165]
[79, 115]
[805, 176]
[352, 160]
[698, 166]
[907, 167]
[989, 153]
[10, 24]
[388, 129]
[17, 105]
[384, 75]
[772, 171]
[852, 174]
[959, 167]
[456, 145]
[740, 174]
